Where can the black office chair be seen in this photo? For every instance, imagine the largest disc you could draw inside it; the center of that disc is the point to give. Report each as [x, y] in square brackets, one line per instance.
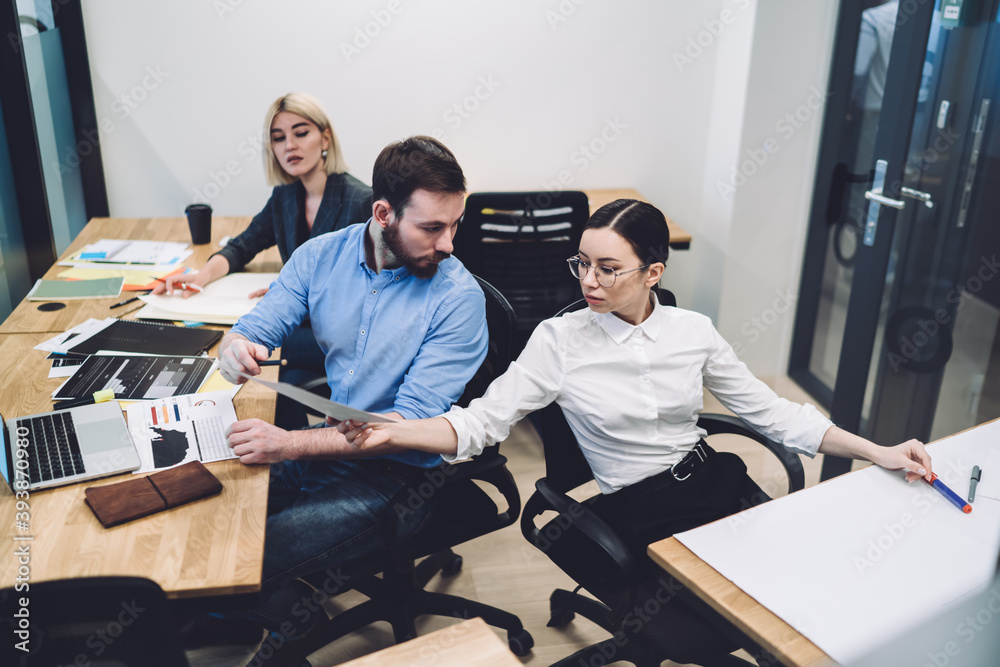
[589, 551]
[463, 512]
[122, 621]
[519, 242]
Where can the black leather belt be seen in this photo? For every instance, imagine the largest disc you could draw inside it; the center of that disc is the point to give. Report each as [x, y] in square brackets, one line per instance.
[678, 472]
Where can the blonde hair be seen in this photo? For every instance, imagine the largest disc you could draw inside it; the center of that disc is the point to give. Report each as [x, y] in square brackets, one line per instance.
[309, 108]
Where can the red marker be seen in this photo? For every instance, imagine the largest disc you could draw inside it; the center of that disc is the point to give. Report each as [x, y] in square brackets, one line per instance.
[955, 499]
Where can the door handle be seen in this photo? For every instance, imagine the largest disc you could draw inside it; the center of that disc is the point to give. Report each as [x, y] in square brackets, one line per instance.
[871, 195]
[919, 195]
[876, 201]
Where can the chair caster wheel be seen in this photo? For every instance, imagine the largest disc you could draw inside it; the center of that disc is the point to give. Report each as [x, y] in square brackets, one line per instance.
[560, 618]
[520, 643]
[452, 567]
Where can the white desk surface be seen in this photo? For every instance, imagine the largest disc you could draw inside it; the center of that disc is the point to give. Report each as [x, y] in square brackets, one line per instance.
[863, 558]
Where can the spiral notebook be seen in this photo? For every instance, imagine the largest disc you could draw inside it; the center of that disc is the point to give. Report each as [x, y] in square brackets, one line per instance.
[144, 338]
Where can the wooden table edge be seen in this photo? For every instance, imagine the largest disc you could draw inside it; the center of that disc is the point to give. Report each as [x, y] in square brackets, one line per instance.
[803, 647]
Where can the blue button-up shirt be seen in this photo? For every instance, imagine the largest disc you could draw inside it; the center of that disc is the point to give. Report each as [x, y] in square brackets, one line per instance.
[393, 342]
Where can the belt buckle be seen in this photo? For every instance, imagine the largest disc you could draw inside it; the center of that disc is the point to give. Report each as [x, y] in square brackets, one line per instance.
[701, 455]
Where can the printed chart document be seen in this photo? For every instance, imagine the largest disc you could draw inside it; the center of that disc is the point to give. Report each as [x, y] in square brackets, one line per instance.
[176, 430]
[321, 405]
[135, 378]
[860, 559]
[222, 302]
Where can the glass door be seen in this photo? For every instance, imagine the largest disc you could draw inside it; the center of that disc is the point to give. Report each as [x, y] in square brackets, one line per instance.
[887, 325]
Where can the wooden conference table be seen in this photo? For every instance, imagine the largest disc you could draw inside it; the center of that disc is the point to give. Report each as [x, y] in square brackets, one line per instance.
[762, 625]
[207, 548]
[470, 643]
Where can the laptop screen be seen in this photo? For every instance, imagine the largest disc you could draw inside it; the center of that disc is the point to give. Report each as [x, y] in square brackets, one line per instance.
[5, 460]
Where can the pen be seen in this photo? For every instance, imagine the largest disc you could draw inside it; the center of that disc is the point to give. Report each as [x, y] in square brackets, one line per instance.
[125, 302]
[273, 362]
[187, 286]
[96, 397]
[953, 497]
[977, 475]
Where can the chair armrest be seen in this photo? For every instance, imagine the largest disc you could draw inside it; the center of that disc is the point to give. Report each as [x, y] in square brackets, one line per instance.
[715, 423]
[607, 552]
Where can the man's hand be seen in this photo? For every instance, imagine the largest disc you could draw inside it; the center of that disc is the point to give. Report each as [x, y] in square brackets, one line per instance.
[258, 292]
[256, 441]
[238, 355]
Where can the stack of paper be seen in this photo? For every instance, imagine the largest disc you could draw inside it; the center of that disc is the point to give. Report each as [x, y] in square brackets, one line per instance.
[222, 302]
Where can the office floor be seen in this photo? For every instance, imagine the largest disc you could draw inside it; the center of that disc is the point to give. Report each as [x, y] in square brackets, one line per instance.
[502, 569]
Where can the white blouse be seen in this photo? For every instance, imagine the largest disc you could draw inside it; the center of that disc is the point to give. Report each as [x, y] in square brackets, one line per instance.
[631, 394]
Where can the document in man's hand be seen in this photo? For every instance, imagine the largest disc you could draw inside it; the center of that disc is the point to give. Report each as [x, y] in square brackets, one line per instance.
[330, 408]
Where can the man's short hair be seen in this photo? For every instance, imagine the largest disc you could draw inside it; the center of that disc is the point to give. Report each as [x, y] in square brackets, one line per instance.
[417, 163]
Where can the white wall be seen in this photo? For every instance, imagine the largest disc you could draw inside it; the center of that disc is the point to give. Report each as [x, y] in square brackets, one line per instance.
[181, 89]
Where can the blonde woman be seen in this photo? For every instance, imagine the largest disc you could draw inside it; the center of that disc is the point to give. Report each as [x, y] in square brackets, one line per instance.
[313, 195]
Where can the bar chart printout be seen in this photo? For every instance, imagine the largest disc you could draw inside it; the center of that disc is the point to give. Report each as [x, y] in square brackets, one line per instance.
[171, 431]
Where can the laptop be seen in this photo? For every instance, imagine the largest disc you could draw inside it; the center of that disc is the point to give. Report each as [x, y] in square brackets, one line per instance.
[66, 446]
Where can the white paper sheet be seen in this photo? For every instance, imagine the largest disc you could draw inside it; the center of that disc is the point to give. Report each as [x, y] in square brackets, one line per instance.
[81, 332]
[222, 302]
[335, 410]
[858, 560]
[989, 477]
[176, 430]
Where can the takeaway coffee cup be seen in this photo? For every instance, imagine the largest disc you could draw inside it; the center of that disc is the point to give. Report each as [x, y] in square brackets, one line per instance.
[200, 221]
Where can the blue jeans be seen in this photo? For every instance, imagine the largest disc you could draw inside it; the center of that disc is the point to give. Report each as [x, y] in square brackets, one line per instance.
[322, 515]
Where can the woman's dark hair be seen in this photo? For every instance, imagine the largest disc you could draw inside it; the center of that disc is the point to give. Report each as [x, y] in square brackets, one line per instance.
[417, 163]
[639, 223]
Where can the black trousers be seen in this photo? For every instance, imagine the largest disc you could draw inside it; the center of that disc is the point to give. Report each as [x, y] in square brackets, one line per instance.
[687, 629]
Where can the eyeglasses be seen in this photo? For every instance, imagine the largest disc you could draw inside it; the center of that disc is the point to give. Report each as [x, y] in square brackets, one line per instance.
[606, 276]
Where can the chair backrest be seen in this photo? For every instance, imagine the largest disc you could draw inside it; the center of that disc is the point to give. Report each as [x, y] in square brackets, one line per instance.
[123, 621]
[500, 322]
[519, 242]
[464, 510]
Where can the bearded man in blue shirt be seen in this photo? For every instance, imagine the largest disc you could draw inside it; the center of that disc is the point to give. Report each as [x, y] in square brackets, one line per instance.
[402, 325]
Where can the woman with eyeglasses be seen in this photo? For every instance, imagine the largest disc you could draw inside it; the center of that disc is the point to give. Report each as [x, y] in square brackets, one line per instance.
[629, 375]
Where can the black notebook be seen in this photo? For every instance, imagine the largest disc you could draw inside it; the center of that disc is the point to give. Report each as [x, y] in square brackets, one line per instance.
[143, 338]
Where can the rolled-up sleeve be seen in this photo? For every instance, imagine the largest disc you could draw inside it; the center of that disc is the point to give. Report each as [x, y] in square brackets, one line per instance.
[797, 427]
[530, 383]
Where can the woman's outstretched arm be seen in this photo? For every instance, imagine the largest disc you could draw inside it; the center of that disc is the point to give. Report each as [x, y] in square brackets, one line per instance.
[434, 435]
[909, 456]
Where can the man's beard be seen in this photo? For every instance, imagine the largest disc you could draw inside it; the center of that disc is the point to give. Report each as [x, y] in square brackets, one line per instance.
[390, 236]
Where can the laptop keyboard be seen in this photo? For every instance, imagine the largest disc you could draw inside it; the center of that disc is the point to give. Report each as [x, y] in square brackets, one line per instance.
[53, 447]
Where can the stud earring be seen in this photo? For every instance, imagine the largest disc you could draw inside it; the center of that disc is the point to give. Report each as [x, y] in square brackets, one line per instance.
[324, 154]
